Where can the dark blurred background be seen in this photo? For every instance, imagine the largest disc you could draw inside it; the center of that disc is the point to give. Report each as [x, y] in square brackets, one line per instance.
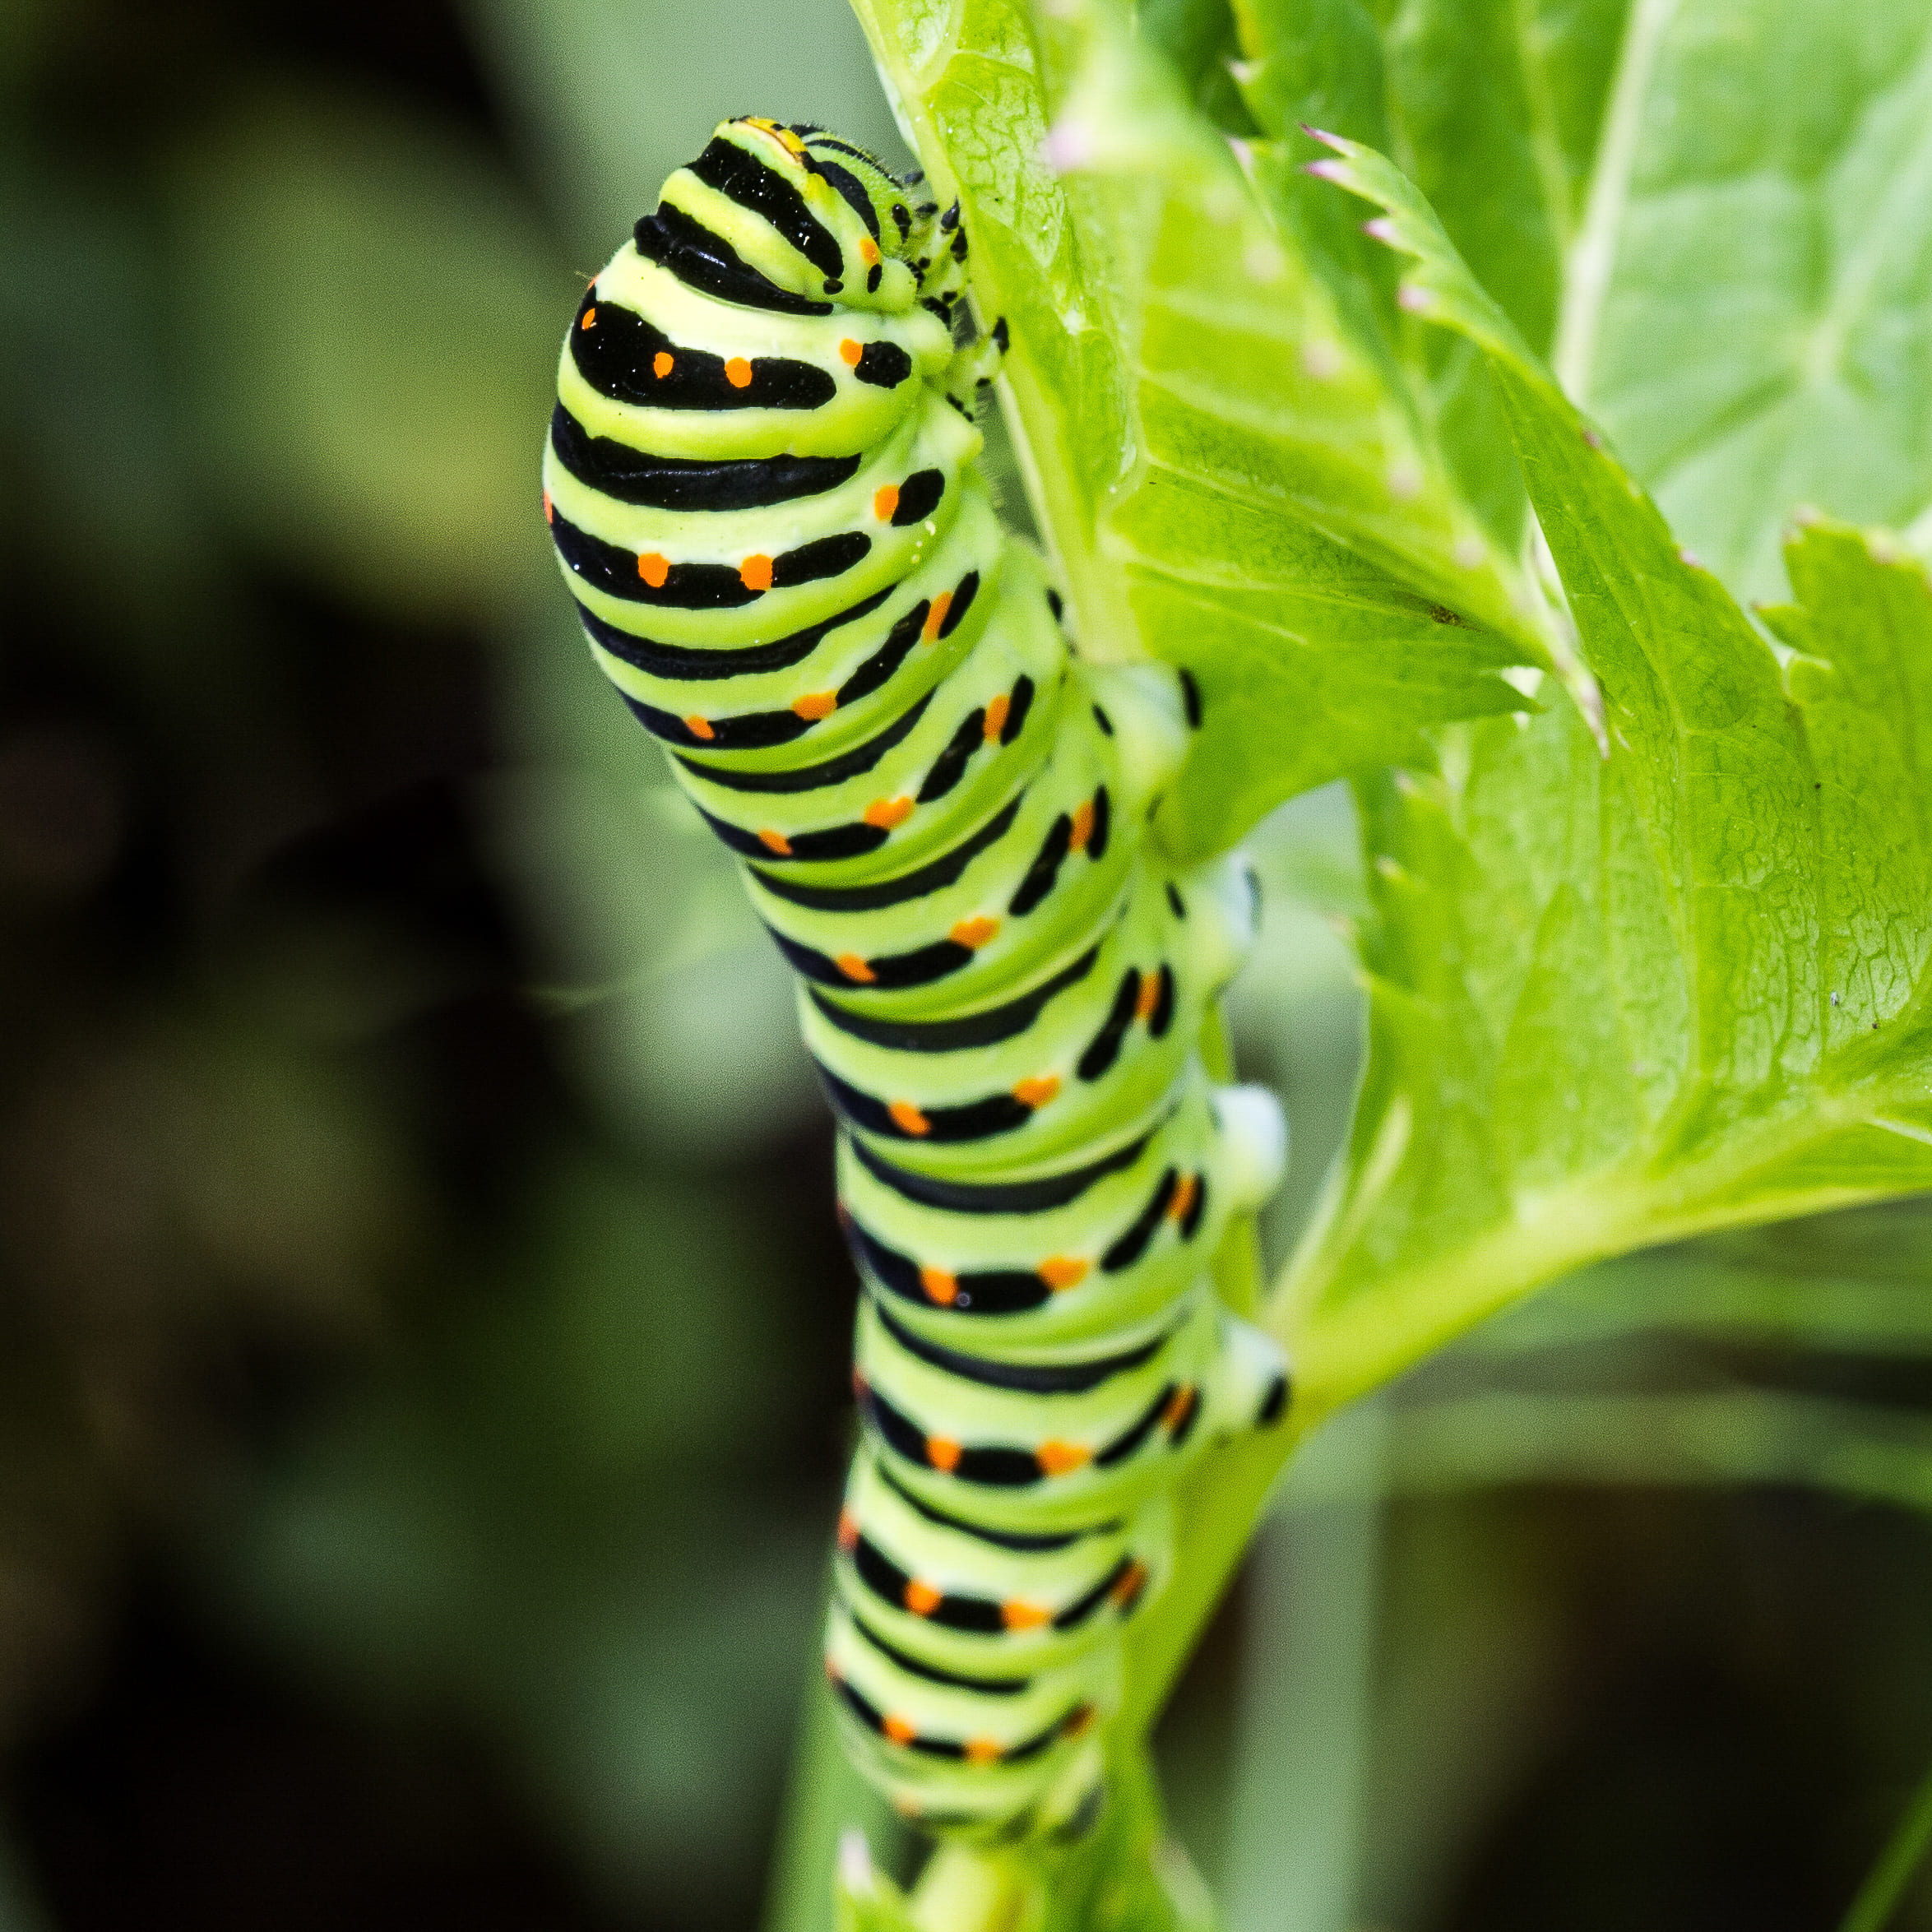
[423, 1325]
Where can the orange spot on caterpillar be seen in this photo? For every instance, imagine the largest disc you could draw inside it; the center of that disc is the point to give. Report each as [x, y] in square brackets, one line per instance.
[1148, 998]
[590, 320]
[887, 813]
[1132, 1580]
[755, 574]
[788, 140]
[996, 713]
[906, 1116]
[1184, 1198]
[1058, 1458]
[849, 352]
[550, 509]
[942, 1452]
[1181, 1405]
[1077, 1720]
[922, 1599]
[662, 364]
[699, 727]
[1082, 827]
[1037, 1092]
[868, 250]
[898, 1730]
[982, 1750]
[832, 1672]
[775, 842]
[738, 372]
[815, 705]
[848, 1530]
[885, 500]
[654, 568]
[975, 932]
[1023, 1616]
[940, 1285]
[1063, 1271]
[861, 1388]
[937, 615]
[853, 966]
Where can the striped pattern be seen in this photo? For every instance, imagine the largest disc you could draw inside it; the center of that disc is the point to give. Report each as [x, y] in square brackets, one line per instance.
[760, 484]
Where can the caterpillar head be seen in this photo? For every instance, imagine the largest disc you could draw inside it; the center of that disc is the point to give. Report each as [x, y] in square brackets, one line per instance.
[817, 216]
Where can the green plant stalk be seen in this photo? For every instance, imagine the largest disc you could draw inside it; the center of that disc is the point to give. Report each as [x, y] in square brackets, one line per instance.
[965, 1890]
[1885, 1886]
[1342, 1352]
[824, 1798]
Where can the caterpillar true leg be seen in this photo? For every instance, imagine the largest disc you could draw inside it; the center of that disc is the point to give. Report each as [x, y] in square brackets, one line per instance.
[759, 482]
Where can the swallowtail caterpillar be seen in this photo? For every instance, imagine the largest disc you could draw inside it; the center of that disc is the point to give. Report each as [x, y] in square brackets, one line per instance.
[760, 483]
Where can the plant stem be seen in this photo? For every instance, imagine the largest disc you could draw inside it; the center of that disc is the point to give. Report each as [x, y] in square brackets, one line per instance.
[1877, 1897]
[826, 1797]
[1296, 1827]
[1343, 1350]
[965, 1890]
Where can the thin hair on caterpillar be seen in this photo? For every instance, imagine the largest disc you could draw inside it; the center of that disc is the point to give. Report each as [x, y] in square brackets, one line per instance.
[762, 486]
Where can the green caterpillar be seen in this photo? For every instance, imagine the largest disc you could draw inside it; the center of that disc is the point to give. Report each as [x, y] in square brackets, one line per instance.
[760, 484]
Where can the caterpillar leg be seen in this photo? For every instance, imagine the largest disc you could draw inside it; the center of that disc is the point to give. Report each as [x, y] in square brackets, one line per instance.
[975, 366]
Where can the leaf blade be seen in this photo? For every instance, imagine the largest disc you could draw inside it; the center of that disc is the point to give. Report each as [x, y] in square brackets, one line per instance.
[1699, 894]
[1161, 332]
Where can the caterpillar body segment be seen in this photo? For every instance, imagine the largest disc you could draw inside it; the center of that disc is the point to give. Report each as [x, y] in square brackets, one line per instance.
[1110, 1072]
[759, 482]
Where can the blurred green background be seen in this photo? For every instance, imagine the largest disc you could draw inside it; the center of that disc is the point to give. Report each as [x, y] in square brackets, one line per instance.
[422, 1319]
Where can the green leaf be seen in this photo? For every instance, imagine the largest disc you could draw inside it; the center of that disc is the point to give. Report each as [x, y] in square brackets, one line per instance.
[1198, 40]
[1477, 105]
[1492, 106]
[1624, 994]
[1713, 214]
[1128, 1875]
[1321, 65]
[973, 80]
[1752, 312]
[1225, 478]
[1495, 103]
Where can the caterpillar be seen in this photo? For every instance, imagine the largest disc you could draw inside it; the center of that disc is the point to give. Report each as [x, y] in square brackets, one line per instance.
[760, 484]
